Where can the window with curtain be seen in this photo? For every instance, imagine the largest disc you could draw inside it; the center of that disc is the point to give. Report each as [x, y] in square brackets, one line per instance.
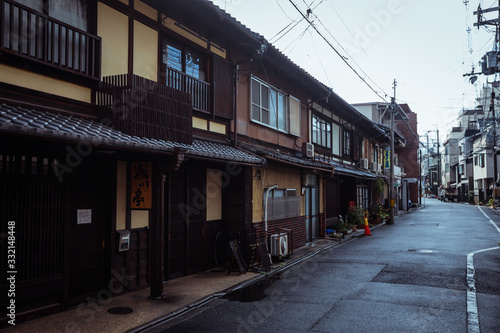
[321, 130]
[72, 12]
[362, 197]
[347, 142]
[281, 203]
[375, 154]
[184, 60]
[336, 142]
[272, 107]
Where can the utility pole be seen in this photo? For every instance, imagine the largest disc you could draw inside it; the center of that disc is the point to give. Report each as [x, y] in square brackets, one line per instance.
[495, 175]
[491, 68]
[439, 160]
[429, 174]
[420, 177]
[391, 183]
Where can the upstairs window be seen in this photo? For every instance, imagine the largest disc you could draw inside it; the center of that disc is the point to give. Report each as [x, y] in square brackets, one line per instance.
[347, 150]
[72, 12]
[185, 70]
[361, 151]
[272, 107]
[375, 154]
[184, 60]
[336, 139]
[52, 32]
[321, 131]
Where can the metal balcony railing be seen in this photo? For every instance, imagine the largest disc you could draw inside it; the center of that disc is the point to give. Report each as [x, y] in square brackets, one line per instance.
[37, 37]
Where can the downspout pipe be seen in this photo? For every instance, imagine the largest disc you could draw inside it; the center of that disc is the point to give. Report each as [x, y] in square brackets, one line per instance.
[235, 104]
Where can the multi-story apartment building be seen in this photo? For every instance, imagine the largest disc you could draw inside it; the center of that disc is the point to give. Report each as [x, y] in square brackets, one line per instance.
[449, 163]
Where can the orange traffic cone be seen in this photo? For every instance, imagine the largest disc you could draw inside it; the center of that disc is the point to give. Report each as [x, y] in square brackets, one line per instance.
[367, 228]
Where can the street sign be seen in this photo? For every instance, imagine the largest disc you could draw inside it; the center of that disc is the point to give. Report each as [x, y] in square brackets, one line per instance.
[387, 158]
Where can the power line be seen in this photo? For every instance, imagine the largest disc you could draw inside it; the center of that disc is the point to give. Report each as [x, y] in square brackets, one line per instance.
[354, 37]
[352, 59]
[337, 52]
[284, 34]
[296, 40]
[278, 3]
[320, 62]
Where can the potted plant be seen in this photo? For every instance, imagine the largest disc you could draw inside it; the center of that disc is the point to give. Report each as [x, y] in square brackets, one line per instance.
[378, 186]
[341, 228]
[378, 213]
[355, 216]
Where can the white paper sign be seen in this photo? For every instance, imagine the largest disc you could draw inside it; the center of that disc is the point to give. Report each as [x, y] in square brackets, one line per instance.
[84, 216]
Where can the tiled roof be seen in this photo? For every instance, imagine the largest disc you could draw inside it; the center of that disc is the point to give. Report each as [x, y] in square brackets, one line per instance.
[337, 168]
[298, 160]
[17, 119]
[349, 170]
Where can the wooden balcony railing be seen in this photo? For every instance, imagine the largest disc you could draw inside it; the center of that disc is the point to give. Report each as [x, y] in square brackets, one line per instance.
[141, 107]
[37, 37]
[199, 90]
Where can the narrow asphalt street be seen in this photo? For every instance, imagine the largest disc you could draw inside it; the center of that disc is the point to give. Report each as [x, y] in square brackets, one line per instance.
[436, 270]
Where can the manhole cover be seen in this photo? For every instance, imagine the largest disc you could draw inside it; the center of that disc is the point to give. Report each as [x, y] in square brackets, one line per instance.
[120, 310]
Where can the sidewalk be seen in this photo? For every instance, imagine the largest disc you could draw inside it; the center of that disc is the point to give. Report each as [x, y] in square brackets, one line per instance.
[182, 296]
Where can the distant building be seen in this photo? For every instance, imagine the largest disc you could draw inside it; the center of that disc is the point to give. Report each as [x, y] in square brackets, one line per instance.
[406, 169]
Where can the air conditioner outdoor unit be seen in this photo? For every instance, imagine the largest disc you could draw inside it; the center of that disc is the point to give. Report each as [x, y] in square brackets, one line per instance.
[279, 245]
[375, 167]
[308, 149]
[364, 163]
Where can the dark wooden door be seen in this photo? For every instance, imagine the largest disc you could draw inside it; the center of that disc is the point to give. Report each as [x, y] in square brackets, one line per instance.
[185, 223]
[175, 227]
[332, 202]
[31, 202]
[195, 223]
[88, 202]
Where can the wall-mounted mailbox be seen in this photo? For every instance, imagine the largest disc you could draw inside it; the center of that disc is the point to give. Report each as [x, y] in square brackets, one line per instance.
[123, 240]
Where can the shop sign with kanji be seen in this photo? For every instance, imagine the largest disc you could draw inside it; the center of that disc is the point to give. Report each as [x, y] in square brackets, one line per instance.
[140, 195]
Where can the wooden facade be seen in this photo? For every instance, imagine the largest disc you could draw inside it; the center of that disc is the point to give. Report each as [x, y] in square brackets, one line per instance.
[141, 107]
[61, 259]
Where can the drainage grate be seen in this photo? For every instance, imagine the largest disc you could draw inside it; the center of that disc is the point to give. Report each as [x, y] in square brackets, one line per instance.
[120, 310]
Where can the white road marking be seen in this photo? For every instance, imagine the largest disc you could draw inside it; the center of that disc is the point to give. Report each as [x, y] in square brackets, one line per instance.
[472, 313]
[491, 221]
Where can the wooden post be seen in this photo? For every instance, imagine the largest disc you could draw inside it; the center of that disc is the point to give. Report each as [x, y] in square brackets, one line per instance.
[156, 233]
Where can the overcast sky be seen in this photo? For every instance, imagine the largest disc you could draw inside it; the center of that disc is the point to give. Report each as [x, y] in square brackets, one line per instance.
[423, 44]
